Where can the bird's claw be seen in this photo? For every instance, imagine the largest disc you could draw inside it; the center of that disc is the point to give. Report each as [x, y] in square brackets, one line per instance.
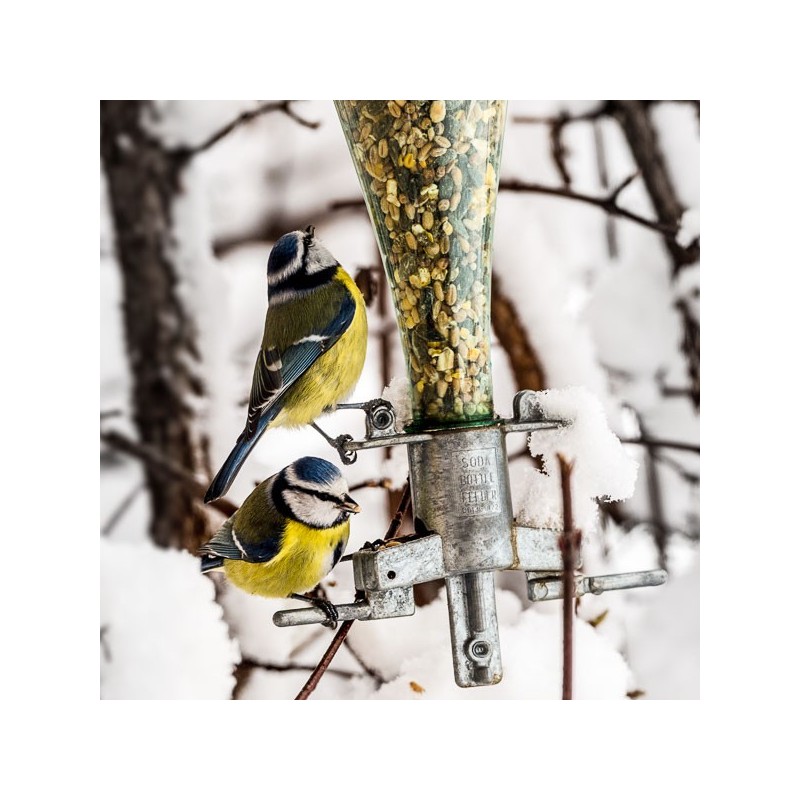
[347, 456]
[330, 612]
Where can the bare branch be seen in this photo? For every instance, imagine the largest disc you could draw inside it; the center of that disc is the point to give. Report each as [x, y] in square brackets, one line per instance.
[564, 118]
[252, 663]
[605, 109]
[165, 467]
[183, 154]
[569, 542]
[373, 673]
[614, 196]
[325, 661]
[383, 483]
[642, 137]
[607, 203]
[525, 363]
[690, 477]
[355, 202]
[397, 520]
[558, 150]
[602, 174]
[121, 510]
[662, 443]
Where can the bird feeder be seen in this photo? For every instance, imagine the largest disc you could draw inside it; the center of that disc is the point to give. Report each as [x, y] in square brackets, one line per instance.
[429, 173]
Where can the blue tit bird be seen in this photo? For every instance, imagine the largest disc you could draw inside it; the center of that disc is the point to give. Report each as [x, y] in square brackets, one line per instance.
[314, 345]
[287, 535]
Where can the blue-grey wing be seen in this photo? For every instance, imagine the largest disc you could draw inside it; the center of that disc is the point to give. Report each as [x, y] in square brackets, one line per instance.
[276, 371]
[227, 544]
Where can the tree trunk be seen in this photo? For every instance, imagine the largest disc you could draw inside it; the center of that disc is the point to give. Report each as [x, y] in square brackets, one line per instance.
[634, 118]
[143, 180]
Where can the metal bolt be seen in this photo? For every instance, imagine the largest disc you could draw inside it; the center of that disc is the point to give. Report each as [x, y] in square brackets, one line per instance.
[382, 418]
[479, 650]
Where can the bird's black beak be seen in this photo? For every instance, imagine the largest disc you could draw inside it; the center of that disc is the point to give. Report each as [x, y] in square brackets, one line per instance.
[310, 230]
[348, 504]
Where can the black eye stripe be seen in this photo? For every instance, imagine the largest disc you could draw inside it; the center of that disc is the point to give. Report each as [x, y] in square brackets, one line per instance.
[330, 498]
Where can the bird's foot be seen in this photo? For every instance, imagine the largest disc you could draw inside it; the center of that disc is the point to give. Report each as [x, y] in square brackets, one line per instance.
[325, 605]
[338, 444]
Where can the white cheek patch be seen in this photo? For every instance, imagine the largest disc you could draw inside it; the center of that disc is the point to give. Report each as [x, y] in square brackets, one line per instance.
[312, 510]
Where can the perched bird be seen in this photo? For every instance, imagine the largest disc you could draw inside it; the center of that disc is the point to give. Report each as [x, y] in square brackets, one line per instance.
[287, 535]
[312, 353]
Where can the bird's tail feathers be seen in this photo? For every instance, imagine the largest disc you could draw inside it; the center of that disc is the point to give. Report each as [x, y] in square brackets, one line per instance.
[233, 463]
[209, 563]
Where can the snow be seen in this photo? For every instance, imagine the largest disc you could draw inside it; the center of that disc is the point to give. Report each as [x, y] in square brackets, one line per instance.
[634, 323]
[602, 468]
[162, 632]
[690, 227]
[669, 626]
[398, 393]
[608, 337]
[532, 656]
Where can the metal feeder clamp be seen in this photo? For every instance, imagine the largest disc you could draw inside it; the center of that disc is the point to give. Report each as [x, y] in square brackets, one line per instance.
[429, 173]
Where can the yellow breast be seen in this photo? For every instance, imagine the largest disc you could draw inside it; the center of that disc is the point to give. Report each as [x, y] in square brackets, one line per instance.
[334, 374]
[305, 558]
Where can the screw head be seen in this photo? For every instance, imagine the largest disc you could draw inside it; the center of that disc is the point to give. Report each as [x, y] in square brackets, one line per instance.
[479, 650]
[382, 418]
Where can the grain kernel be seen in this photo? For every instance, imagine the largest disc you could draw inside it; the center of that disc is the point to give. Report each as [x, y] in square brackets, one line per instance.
[438, 111]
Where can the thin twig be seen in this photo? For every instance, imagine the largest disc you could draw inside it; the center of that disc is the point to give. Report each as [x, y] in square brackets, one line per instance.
[654, 493]
[383, 483]
[602, 174]
[557, 148]
[121, 510]
[325, 661]
[110, 413]
[252, 663]
[642, 137]
[663, 444]
[523, 358]
[565, 118]
[373, 673]
[353, 202]
[607, 203]
[614, 511]
[569, 542]
[341, 634]
[690, 477]
[167, 468]
[605, 109]
[182, 154]
[397, 520]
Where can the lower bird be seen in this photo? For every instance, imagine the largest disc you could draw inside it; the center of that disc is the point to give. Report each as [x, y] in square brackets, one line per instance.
[287, 535]
[313, 350]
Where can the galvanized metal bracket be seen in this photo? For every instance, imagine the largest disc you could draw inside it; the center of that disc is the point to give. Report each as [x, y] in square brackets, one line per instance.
[381, 425]
[461, 496]
[551, 587]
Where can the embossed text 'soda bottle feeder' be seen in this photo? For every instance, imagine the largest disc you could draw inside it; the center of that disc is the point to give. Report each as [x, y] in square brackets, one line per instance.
[429, 173]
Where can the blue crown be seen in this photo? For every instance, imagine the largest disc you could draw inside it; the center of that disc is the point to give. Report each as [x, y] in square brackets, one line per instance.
[315, 470]
[284, 251]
